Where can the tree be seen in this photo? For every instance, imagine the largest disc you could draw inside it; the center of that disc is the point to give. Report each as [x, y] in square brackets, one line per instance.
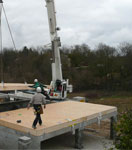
[124, 131]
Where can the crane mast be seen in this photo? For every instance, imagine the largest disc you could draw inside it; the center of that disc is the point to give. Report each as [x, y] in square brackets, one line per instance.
[59, 85]
[55, 41]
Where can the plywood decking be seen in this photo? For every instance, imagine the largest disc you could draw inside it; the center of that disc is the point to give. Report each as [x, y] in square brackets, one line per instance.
[56, 116]
[17, 86]
[14, 86]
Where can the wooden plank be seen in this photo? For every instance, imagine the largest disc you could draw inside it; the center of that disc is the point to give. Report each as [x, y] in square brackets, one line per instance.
[56, 116]
[17, 86]
[14, 86]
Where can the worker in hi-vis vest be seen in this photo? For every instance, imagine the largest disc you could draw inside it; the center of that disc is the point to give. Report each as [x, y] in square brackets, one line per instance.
[38, 84]
[37, 100]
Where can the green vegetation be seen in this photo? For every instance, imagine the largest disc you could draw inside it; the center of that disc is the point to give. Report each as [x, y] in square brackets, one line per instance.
[124, 131]
[121, 99]
[104, 68]
[102, 75]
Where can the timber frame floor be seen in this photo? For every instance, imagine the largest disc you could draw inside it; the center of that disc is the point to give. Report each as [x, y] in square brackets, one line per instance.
[14, 86]
[58, 118]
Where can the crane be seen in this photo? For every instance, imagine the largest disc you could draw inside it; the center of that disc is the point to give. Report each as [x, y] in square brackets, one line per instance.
[59, 86]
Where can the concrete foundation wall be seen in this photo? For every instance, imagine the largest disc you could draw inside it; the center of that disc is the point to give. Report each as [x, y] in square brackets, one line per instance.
[9, 139]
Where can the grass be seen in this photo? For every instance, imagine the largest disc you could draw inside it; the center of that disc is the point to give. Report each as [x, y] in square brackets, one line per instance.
[121, 99]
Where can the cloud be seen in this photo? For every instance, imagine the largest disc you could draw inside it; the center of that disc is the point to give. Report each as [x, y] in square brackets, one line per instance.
[87, 21]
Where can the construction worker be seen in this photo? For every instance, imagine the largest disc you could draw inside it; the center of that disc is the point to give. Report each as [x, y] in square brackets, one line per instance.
[37, 100]
[38, 84]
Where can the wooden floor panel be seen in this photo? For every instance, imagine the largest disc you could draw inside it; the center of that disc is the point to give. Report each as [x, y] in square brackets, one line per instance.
[56, 116]
[14, 86]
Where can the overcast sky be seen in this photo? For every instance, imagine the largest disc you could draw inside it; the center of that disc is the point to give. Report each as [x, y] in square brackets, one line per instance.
[81, 21]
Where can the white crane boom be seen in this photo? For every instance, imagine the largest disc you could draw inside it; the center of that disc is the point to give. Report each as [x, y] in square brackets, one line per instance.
[55, 40]
[58, 84]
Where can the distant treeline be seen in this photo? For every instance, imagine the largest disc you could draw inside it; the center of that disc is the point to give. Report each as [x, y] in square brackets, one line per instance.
[105, 67]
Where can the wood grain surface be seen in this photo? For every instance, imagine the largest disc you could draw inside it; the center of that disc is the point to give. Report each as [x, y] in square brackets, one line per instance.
[56, 116]
[14, 86]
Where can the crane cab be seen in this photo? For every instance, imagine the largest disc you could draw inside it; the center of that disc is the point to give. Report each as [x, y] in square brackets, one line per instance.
[59, 90]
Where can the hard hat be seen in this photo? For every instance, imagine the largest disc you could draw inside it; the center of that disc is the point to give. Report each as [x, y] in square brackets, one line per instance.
[35, 80]
[38, 90]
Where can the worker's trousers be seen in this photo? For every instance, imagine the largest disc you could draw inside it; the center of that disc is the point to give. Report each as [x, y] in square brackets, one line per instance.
[37, 113]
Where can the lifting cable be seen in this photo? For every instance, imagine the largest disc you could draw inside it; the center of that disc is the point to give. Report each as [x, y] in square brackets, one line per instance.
[9, 28]
[1, 44]
[1, 48]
